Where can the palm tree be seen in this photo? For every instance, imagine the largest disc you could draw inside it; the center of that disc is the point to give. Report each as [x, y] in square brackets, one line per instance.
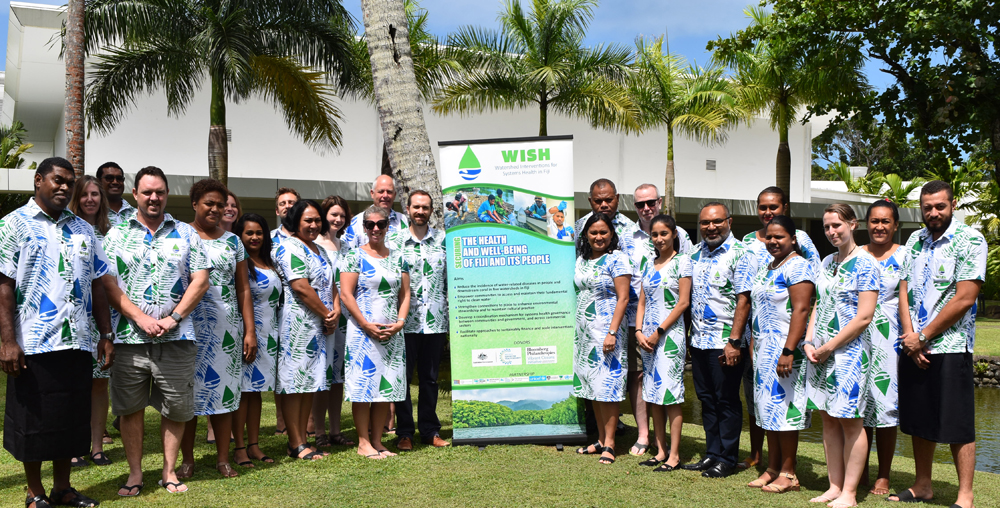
[73, 54]
[695, 101]
[12, 145]
[538, 58]
[781, 80]
[281, 51]
[397, 96]
[898, 191]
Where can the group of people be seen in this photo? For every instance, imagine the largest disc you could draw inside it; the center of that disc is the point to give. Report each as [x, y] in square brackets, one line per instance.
[198, 319]
[871, 337]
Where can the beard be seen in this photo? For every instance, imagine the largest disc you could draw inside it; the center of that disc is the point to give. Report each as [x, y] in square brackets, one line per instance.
[712, 244]
[945, 224]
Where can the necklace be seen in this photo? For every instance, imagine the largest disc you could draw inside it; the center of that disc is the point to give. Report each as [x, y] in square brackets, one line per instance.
[771, 266]
[836, 264]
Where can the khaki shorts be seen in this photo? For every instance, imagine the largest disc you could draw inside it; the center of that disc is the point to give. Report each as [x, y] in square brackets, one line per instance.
[634, 357]
[156, 375]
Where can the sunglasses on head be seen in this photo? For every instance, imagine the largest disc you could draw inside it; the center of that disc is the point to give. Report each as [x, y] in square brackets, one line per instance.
[114, 178]
[650, 203]
[382, 224]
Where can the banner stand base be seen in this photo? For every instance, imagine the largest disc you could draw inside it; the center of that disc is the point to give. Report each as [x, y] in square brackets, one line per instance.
[559, 447]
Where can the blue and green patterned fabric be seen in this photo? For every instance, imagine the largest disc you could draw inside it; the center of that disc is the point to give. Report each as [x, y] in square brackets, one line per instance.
[663, 368]
[596, 375]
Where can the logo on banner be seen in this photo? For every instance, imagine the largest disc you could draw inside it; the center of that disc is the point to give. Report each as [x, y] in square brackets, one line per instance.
[469, 167]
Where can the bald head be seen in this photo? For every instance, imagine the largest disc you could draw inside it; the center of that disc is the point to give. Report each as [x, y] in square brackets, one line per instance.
[384, 192]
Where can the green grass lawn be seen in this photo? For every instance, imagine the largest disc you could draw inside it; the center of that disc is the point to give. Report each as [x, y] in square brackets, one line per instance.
[987, 337]
[463, 476]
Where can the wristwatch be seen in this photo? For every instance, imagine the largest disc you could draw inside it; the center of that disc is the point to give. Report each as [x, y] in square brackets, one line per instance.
[736, 343]
[922, 338]
[176, 317]
[787, 352]
[108, 336]
[660, 331]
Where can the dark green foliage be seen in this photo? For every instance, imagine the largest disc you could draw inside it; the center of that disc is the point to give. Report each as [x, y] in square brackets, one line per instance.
[477, 413]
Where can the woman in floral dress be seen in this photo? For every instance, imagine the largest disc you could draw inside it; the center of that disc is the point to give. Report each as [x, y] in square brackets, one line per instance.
[603, 275]
[665, 296]
[892, 320]
[224, 327]
[261, 374]
[376, 293]
[310, 313]
[839, 351]
[780, 294]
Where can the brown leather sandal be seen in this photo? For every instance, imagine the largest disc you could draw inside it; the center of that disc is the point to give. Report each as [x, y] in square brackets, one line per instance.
[778, 489]
[760, 482]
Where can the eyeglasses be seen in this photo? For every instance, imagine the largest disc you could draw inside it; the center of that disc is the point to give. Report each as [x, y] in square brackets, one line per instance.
[370, 224]
[650, 203]
[114, 178]
[714, 222]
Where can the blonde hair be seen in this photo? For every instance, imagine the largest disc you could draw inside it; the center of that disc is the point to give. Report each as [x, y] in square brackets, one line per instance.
[101, 223]
[845, 212]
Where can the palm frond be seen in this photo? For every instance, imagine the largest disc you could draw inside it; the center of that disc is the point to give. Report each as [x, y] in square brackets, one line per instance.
[302, 96]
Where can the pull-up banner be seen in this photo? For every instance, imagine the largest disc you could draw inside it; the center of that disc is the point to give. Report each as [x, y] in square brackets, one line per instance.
[511, 260]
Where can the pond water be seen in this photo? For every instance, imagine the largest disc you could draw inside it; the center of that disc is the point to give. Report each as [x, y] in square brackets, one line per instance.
[987, 428]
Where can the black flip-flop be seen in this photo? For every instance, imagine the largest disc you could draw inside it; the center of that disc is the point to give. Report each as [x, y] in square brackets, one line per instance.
[666, 468]
[906, 496]
[78, 462]
[653, 462]
[176, 485]
[39, 501]
[137, 487]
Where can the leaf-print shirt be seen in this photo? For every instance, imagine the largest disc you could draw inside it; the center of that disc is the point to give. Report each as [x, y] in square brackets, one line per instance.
[428, 283]
[713, 292]
[759, 248]
[154, 270]
[354, 235]
[937, 267]
[53, 263]
[126, 212]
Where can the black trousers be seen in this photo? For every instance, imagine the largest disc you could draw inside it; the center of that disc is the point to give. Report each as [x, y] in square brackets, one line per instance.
[423, 353]
[718, 389]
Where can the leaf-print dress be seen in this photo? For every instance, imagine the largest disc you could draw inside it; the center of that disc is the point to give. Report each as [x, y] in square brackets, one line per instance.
[335, 342]
[218, 326]
[374, 370]
[302, 347]
[663, 369]
[261, 375]
[95, 334]
[779, 402]
[839, 385]
[882, 408]
[596, 375]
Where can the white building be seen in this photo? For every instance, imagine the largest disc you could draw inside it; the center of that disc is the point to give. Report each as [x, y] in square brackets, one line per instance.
[264, 156]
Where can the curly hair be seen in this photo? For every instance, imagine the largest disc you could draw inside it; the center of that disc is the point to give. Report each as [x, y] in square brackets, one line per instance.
[204, 186]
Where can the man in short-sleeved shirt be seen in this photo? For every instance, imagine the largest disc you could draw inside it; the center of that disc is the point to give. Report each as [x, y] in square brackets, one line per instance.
[648, 204]
[284, 200]
[49, 259]
[162, 272]
[426, 327]
[383, 195]
[112, 179]
[936, 399]
[715, 352]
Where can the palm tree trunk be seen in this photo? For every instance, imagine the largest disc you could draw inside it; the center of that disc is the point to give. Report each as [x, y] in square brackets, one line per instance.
[543, 113]
[73, 112]
[218, 144]
[783, 166]
[669, 197]
[398, 99]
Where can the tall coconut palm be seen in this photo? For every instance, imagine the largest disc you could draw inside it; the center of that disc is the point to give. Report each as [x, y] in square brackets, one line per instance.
[397, 96]
[73, 55]
[281, 51]
[538, 58]
[780, 81]
[694, 101]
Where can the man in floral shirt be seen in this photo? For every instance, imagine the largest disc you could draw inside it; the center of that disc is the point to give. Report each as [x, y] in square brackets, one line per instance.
[49, 259]
[383, 196]
[162, 271]
[936, 400]
[426, 328]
